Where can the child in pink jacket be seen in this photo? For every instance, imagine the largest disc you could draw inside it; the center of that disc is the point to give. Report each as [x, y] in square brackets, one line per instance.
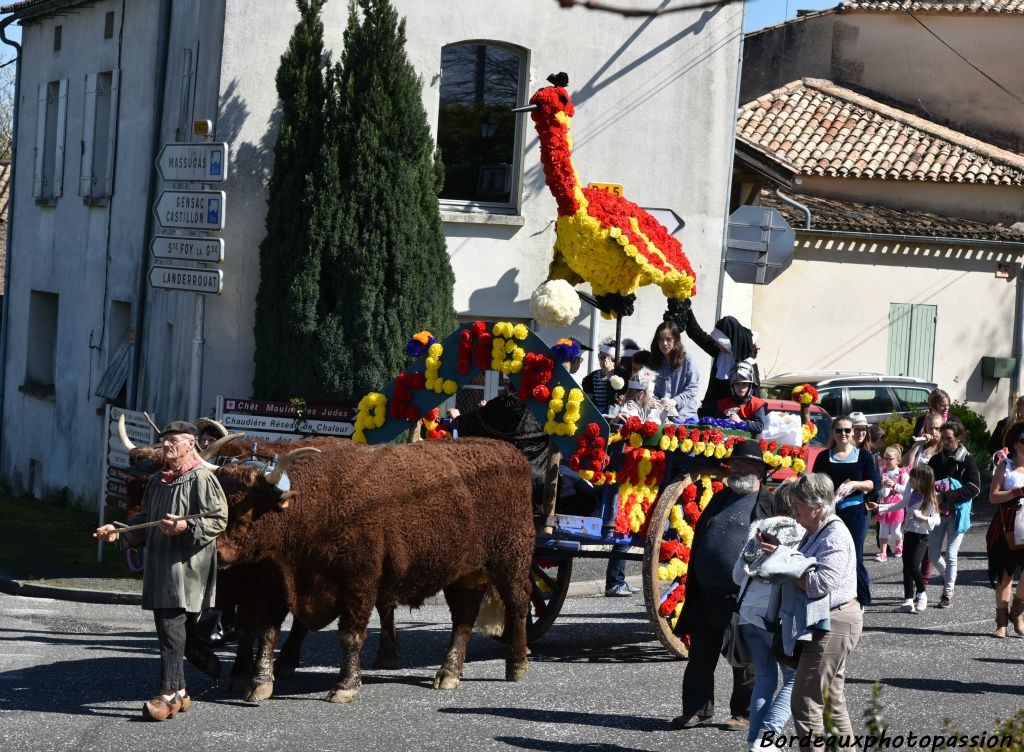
[894, 482]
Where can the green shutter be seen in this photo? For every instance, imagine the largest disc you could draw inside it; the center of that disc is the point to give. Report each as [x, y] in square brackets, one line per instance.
[897, 362]
[911, 340]
[922, 341]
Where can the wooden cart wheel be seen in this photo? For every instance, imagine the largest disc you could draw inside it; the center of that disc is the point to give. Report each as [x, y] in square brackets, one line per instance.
[653, 587]
[549, 584]
[549, 580]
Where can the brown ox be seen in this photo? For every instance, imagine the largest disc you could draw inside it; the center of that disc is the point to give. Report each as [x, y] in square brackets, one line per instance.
[395, 524]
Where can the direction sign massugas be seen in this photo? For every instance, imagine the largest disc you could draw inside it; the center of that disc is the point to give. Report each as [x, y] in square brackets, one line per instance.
[180, 248]
[190, 210]
[187, 279]
[193, 163]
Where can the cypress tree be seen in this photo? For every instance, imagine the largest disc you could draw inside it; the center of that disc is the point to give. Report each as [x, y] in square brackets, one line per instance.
[289, 290]
[389, 274]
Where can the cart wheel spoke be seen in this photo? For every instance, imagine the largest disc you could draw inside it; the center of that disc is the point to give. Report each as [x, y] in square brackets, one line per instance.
[549, 583]
[654, 589]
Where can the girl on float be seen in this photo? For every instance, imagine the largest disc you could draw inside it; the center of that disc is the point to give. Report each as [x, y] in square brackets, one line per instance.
[679, 378]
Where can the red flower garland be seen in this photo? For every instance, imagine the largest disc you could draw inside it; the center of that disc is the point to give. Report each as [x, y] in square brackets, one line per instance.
[538, 370]
[474, 342]
[401, 396]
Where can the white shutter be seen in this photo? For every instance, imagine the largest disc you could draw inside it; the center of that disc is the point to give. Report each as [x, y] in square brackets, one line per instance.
[62, 119]
[40, 152]
[88, 135]
[112, 102]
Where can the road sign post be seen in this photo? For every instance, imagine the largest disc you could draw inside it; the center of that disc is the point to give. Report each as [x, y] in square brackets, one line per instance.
[187, 279]
[193, 163]
[180, 248]
[191, 210]
[759, 246]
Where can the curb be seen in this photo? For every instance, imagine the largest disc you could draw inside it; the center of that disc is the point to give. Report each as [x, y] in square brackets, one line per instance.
[107, 597]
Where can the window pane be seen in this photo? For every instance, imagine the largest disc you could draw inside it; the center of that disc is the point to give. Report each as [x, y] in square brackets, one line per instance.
[831, 401]
[912, 398]
[870, 400]
[476, 128]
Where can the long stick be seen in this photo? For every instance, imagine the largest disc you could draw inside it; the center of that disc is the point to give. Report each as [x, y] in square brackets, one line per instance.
[154, 523]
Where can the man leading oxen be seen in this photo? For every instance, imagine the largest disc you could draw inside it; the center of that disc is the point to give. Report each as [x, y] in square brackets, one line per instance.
[180, 556]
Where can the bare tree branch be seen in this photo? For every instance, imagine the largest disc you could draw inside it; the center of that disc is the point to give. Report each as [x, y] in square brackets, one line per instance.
[594, 5]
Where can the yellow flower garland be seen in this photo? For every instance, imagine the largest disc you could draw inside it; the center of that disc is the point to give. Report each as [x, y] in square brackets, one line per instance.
[506, 356]
[372, 414]
[570, 418]
[433, 381]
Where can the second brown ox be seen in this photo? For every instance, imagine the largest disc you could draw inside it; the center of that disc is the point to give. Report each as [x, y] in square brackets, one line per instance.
[394, 525]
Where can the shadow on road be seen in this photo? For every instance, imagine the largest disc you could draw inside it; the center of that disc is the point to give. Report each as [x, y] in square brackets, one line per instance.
[536, 715]
[542, 744]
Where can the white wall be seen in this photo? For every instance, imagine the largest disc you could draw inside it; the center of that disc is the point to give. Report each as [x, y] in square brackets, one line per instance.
[654, 103]
[87, 255]
[830, 311]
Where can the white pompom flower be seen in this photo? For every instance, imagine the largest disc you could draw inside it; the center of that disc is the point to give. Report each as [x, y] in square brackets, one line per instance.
[616, 382]
[555, 304]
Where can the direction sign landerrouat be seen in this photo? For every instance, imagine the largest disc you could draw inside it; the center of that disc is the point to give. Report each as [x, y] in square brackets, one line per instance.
[191, 210]
[209, 281]
[193, 163]
[208, 250]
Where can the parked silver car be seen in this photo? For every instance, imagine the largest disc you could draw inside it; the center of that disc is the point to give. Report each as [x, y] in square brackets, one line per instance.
[842, 392]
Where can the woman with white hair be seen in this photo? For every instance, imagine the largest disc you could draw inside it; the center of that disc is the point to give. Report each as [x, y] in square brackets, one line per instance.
[821, 620]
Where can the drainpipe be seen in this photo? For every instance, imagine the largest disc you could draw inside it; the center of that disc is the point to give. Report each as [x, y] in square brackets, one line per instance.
[163, 41]
[10, 221]
[793, 202]
[1018, 340]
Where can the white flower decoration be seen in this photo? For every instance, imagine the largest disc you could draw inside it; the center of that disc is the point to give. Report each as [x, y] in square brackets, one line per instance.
[555, 304]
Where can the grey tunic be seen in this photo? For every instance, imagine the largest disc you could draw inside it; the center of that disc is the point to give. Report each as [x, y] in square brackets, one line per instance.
[180, 570]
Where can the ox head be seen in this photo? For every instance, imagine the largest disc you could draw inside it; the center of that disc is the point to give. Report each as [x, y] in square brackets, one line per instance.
[253, 493]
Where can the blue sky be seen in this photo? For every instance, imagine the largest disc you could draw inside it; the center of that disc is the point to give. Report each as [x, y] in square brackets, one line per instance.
[761, 13]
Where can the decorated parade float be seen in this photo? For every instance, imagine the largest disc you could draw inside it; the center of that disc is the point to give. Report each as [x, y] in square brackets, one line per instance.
[650, 482]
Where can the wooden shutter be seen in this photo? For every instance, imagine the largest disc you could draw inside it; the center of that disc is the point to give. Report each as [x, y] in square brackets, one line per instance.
[88, 134]
[62, 120]
[40, 152]
[921, 356]
[899, 338]
[111, 135]
[911, 340]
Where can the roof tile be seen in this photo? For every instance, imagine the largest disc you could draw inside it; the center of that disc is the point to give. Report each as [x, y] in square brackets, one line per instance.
[849, 216]
[936, 6]
[815, 127]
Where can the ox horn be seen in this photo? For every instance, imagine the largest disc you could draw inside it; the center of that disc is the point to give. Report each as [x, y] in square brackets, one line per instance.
[211, 451]
[208, 465]
[123, 434]
[149, 419]
[274, 476]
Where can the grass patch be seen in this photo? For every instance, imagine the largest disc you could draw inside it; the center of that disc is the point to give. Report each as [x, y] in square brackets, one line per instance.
[44, 540]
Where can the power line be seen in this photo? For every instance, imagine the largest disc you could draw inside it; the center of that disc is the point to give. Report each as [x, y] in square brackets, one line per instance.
[955, 52]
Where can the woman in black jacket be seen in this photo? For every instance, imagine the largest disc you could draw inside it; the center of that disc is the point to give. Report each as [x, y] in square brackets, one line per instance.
[953, 462]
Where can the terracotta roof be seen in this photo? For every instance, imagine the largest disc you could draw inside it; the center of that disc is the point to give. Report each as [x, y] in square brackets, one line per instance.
[815, 127]
[29, 5]
[937, 6]
[850, 216]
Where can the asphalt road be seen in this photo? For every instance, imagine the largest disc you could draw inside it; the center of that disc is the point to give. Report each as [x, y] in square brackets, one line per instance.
[73, 677]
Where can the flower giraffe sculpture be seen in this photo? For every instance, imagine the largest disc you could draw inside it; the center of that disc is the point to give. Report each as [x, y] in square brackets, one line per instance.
[601, 238]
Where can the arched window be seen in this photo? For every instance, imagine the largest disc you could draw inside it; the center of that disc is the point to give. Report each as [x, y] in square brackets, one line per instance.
[477, 132]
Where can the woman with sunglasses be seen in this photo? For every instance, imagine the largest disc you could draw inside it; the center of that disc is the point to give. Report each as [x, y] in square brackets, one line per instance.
[854, 473]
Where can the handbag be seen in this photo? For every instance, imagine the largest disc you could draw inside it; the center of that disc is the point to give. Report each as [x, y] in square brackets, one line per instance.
[779, 650]
[734, 647]
[1013, 529]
